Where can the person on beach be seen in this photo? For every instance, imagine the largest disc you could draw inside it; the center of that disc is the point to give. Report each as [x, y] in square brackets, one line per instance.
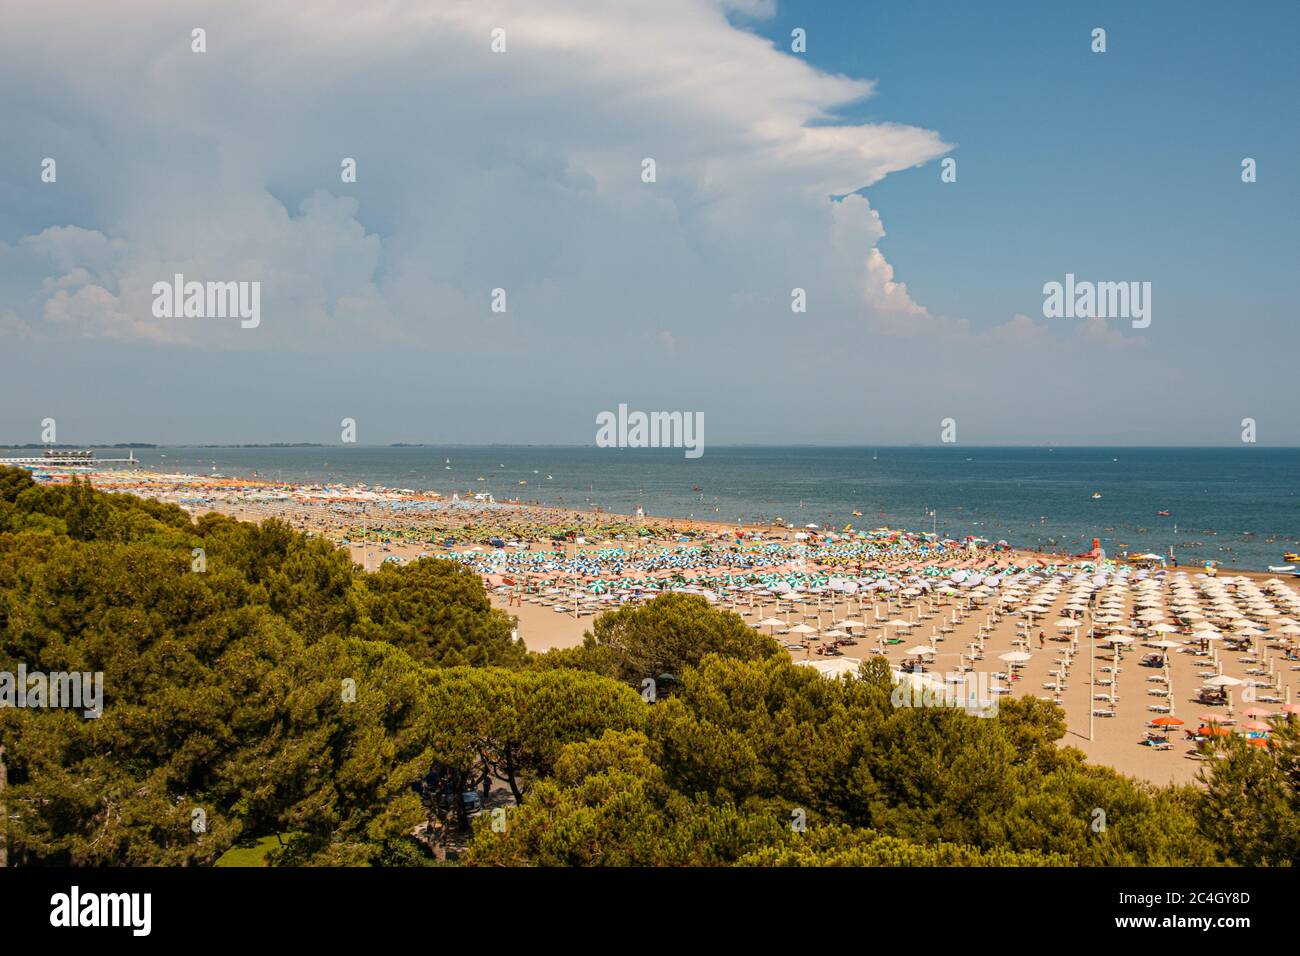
[1042, 639]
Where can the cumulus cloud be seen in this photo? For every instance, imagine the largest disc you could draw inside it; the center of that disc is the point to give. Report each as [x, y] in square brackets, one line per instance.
[476, 170]
[1096, 330]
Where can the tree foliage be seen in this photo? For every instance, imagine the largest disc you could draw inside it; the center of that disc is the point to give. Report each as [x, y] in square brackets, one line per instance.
[660, 639]
[1251, 808]
[258, 695]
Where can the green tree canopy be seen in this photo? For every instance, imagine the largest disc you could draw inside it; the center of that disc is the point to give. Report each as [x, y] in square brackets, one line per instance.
[665, 636]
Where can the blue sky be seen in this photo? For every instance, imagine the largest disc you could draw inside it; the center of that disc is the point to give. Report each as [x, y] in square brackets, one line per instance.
[1096, 162]
[521, 170]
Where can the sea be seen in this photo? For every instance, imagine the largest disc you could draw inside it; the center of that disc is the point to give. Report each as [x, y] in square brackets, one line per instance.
[1237, 506]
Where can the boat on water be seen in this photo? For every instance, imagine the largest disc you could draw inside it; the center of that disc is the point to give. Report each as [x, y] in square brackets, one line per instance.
[1291, 557]
[857, 514]
[1162, 514]
[1096, 495]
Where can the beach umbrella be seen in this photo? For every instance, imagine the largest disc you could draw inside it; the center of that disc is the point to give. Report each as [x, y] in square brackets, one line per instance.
[920, 649]
[1167, 722]
[1223, 680]
[1015, 657]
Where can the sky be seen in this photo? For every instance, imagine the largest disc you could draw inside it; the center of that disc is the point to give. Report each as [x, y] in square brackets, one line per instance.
[775, 170]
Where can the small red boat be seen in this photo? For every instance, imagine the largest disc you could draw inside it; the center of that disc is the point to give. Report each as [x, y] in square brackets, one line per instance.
[1162, 514]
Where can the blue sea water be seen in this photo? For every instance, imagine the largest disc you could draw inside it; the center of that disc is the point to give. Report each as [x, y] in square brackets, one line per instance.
[1239, 506]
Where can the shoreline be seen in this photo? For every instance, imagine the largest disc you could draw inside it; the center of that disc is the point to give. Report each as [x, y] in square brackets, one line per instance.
[232, 489]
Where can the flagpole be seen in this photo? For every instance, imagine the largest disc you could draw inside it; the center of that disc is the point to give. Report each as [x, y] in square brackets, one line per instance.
[1092, 677]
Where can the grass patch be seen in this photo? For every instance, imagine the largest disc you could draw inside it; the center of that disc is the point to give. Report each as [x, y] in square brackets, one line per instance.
[250, 852]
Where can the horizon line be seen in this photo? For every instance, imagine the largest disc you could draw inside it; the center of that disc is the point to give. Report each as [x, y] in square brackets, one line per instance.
[517, 444]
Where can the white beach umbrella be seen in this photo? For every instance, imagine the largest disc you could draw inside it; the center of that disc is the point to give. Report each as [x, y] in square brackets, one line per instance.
[1223, 680]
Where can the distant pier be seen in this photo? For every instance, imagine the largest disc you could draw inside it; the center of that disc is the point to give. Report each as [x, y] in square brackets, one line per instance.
[53, 457]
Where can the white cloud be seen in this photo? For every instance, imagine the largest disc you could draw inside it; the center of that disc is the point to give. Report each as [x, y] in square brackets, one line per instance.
[476, 169]
[1096, 330]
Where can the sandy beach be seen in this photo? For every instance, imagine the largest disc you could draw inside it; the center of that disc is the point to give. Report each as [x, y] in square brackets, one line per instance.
[1119, 730]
